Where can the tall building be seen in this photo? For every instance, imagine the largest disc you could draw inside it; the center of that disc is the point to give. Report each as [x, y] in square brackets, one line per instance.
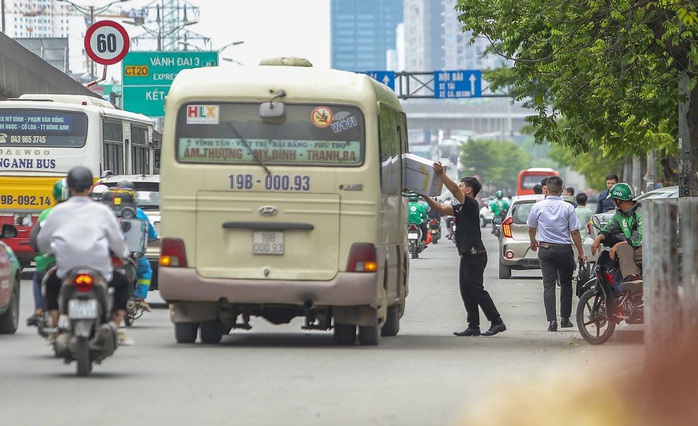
[362, 32]
[34, 19]
[433, 39]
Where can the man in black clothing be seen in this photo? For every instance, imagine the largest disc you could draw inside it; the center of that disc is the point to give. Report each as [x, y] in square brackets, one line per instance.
[473, 256]
[605, 204]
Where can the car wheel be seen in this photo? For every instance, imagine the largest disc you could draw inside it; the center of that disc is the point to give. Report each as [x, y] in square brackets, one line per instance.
[10, 319]
[369, 335]
[504, 272]
[483, 222]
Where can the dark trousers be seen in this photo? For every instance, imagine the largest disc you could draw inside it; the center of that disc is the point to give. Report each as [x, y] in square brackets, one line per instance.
[472, 290]
[118, 282]
[557, 261]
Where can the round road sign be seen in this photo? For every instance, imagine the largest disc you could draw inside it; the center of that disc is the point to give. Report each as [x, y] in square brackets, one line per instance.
[106, 42]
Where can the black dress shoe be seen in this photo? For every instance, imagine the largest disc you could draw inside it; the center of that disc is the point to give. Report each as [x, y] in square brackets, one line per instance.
[494, 329]
[566, 323]
[553, 325]
[467, 332]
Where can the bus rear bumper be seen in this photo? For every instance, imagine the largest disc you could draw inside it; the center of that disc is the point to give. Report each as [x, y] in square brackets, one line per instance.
[346, 289]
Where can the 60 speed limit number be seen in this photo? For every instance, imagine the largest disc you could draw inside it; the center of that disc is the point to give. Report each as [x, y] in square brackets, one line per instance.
[106, 42]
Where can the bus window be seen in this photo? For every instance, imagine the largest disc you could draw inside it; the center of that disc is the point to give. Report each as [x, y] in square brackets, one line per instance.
[529, 178]
[140, 150]
[113, 147]
[312, 134]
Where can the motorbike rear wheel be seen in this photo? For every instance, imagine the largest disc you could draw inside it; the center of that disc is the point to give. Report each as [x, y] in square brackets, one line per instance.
[592, 318]
[414, 250]
[82, 356]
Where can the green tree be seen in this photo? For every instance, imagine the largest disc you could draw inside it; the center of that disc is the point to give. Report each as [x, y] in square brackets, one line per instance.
[610, 68]
[496, 162]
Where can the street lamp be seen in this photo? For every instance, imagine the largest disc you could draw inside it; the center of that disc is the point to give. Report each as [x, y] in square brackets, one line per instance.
[91, 11]
[234, 43]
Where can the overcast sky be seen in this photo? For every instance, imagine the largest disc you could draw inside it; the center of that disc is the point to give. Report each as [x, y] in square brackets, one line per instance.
[267, 27]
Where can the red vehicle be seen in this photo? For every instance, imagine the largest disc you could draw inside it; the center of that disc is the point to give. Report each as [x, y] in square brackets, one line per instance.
[528, 178]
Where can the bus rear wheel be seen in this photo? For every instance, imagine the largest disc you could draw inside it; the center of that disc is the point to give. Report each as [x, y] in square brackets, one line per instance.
[185, 332]
[344, 334]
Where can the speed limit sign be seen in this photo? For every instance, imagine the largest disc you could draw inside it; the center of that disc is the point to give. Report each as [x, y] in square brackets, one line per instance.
[106, 42]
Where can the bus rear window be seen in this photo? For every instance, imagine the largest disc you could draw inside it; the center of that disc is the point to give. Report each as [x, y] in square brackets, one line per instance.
[234, 133]
[42, 128]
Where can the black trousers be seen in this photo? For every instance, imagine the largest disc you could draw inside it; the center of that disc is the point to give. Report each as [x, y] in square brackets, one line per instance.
[472, 290]
[118, 282]
[557, 260]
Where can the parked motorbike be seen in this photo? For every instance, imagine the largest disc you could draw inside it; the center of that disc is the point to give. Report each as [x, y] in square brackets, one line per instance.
[434, 227]
[606, 302]
[84, 333]
[414, 238]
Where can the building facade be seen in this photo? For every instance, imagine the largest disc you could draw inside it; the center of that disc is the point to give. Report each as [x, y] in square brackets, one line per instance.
[362, 33]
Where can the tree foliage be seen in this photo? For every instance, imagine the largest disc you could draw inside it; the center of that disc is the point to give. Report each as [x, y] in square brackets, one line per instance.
[610, 68]
[496, 162]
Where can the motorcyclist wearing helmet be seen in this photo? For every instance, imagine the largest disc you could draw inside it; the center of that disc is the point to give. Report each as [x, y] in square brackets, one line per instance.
[80, 232]
[623, 233]
[42, 261]
[144, 272]
[499, 207]
[418, 215]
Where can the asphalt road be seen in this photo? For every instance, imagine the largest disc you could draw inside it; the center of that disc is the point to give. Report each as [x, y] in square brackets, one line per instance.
[276, 375]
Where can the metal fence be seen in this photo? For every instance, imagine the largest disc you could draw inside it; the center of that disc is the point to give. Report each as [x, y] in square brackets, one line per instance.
[670, 266]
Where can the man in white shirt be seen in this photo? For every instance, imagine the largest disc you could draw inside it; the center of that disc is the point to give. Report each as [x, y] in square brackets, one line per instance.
[81, 233]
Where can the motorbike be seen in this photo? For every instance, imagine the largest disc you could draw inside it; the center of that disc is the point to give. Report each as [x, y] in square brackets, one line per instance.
[414, 238]
[606, 302]
[84, 333]
[435, 229]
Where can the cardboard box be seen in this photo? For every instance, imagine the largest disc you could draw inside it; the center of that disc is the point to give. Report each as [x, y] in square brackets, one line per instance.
[419, 176]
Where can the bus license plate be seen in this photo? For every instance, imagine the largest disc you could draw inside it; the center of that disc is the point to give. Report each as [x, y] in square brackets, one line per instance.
[82, 309]
[267, 242]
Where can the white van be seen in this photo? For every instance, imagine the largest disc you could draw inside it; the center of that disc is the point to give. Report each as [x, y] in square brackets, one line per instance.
[281, 197]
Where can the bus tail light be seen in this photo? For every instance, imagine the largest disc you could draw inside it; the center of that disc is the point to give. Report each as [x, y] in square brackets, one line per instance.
[506, 227]
[362, 258]
[173, 253]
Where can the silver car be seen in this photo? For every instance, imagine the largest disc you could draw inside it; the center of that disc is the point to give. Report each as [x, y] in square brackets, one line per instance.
[514, 243]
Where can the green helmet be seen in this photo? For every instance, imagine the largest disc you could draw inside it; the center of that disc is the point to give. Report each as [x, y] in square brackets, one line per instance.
[622, 191]
[60, 190]
[414, 198]
[499, 194]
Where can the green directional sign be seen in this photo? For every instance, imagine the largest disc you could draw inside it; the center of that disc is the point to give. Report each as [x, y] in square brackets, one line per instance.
[147, 77]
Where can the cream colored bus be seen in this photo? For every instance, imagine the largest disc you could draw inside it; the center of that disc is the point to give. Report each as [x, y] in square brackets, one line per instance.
[281, 197]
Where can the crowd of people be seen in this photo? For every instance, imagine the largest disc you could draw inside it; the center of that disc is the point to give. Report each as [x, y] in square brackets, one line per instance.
[554, 226]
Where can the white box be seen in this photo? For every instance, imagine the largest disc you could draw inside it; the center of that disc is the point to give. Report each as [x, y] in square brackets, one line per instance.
[419, 176]
[136, 235]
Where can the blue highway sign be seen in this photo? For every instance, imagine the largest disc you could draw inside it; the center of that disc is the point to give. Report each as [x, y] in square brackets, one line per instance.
[385, 77]
[458, 84]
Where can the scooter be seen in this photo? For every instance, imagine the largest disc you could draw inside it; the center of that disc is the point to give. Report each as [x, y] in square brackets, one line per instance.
[435, 229]
[414, 238]
[84, 333]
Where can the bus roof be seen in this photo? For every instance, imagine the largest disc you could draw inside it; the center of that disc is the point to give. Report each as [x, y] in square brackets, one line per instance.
[72, 102]
[261, 82]
[68, 99]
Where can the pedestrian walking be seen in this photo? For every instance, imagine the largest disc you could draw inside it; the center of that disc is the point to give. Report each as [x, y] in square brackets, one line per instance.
[473, 256]
[583, 214]
[557, 226]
